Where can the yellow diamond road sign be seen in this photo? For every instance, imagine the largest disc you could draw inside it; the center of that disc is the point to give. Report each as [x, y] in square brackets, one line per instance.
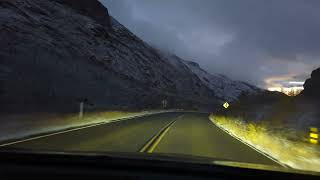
[226, 105]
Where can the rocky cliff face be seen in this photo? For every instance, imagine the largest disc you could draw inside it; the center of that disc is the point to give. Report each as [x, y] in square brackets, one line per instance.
[312, 85]
[91, 8]
[56, 53]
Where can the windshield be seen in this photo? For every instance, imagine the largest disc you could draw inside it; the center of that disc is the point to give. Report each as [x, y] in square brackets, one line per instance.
[236, 81]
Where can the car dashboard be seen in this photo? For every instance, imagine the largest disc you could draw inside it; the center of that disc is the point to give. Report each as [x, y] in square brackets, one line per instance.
[62, 165]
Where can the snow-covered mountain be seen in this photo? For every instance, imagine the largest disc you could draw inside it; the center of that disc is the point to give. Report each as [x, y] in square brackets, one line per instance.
[223, 87]
[55, 53]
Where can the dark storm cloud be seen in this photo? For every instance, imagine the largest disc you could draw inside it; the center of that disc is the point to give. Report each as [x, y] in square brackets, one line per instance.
[250, 40]
[154, 33]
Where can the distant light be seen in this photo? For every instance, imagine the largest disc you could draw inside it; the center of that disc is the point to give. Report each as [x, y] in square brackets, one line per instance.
[301, 88]
[293, 88]
[296, 82]
[275, 89]
[290, 91]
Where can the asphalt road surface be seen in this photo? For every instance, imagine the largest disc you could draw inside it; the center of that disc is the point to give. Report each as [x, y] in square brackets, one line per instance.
[173, 133]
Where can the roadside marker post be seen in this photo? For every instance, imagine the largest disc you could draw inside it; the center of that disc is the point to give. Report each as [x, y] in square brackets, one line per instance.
[81, 110]
[164, 103]
[313, 135]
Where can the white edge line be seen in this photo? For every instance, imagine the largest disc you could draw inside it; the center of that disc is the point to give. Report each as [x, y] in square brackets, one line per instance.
[79, 128]
[251, 146]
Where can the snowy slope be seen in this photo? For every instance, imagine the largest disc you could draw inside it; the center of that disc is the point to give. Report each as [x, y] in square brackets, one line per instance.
[61, 51]
[222, 86]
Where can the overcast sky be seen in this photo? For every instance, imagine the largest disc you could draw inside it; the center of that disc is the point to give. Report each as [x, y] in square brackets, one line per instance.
[264, 42]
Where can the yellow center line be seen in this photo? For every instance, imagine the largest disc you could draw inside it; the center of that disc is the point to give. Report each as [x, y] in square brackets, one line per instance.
[145, 147]
[156, 143]
[150, 146]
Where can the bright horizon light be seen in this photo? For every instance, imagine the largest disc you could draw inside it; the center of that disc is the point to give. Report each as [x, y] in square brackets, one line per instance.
[274, 89]
[287, 90]
[296, 82]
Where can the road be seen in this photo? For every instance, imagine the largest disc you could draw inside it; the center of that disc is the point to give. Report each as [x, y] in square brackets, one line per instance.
[174, 133]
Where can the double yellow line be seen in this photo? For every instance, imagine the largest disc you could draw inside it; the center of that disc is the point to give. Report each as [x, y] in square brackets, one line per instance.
[151, 145]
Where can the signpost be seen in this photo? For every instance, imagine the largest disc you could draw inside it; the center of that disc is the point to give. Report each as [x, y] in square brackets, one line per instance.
[81, 110]
[164, 103]
[83, 101]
